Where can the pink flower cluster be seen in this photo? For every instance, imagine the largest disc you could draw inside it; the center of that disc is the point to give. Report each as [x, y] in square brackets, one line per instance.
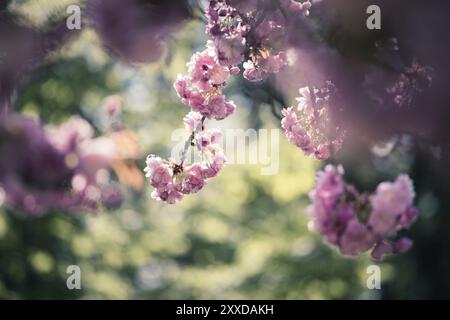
[63, 168]
[171, 181]
[309, 127]
[90, 158]
[253, 29]
[201, 89]
[356, 222]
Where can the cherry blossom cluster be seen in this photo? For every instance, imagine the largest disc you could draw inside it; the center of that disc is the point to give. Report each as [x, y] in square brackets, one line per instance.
[356, 222]
[61, 168]
[309, 127]
[253, 31]
[171, 180]
[201, 89]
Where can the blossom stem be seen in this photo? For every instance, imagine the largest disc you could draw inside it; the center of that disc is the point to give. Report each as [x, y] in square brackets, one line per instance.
[190, 140]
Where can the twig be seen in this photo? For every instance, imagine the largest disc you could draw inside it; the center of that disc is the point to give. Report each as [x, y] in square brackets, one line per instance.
[190, 140]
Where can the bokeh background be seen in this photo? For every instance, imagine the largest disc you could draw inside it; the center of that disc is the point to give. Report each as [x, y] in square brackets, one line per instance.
[244, 236]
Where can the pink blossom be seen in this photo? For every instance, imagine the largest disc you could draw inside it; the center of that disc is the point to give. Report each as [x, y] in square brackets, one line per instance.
[212, 169]
[207, 138]
[322, 152]
[394, 197]
[356, 239]
[193, 181]
[234, 70]
[274, 63]
[390, 201]
[289, 119]
[402, 245]
[161, 177]
[305, 101]
[197, 102]
[192, 120]
[408, 217]
[346, 219]
[329, 186]
[181, 87]
[216, 107]
[153, 162]
[383, 222]
[382, 248]
[294, 132]
[230, 108]
[158, 172]
[205, 70]
[251, 73]
[168, 194]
